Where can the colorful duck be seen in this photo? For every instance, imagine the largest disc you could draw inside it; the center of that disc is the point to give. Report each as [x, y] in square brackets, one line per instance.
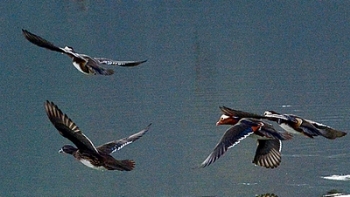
[268, 152]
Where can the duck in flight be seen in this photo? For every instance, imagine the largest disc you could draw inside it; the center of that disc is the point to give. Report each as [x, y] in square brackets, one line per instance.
[82, 62]
[268, 152]
[297, 125]
[85, 151]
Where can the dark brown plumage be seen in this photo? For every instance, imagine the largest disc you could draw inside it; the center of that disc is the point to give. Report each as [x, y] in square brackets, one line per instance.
[82, 62]
[85, 151]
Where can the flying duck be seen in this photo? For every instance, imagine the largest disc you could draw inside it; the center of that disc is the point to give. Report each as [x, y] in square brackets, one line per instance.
[267, 146]
[85, 151]
[82, 62]
[297, 125]
[268, 152]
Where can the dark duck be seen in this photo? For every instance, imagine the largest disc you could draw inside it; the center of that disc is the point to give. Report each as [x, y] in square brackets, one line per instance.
[82, 62]
[298, 125]
[94, 157]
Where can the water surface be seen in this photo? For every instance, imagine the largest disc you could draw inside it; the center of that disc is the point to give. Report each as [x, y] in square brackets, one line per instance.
[288, 57]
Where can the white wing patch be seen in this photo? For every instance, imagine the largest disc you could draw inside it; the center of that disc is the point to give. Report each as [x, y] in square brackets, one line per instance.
[221, 149]
[121, 146]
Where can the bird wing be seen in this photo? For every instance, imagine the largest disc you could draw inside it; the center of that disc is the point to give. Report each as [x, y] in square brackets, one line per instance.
[113, 146]
[279, 118]
[240, 114]
[325, 130]
[231, 138]
[67, 128]
[119, 63]
[268, 153]
[41, 42]
[308, 128]
[268, 131]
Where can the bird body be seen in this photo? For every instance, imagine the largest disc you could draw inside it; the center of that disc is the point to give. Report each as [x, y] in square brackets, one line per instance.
[85, 151]
[84, 63]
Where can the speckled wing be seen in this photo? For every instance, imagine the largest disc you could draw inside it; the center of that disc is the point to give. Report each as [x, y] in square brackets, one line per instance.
[67, 128]
[41, 42]
[231, 138]
[268, 153]
[240, 114]
[113, 146]
[119, 63]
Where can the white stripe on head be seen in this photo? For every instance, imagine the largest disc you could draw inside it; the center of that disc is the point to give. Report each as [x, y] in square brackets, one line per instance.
[224, 117]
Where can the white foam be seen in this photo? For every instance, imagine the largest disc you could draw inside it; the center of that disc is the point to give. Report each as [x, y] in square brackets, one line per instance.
[338, 177]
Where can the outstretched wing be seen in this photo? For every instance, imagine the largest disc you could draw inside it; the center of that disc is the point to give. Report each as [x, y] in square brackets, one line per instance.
[240, 114]
[119, 63]
[267, 130]
[113, 146]
[231, 138]
[279, 118]
[67, 128]
[268, 153]
[39, 41]
[324, 130]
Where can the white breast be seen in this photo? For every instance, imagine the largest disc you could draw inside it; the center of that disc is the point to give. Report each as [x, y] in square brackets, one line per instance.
[77, 66]
[88, 164]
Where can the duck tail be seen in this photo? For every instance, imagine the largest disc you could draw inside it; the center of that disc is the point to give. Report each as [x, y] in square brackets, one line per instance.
[123, 165]
[128, 165]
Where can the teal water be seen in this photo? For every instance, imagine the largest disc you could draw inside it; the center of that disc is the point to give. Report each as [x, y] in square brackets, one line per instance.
[289, 57]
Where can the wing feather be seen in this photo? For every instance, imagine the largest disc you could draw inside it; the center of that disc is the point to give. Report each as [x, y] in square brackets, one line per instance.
[113, 146]
[232, 137]
[119, 63]
[67, 128]
[241, 114]
[39, 41]
[268, 153]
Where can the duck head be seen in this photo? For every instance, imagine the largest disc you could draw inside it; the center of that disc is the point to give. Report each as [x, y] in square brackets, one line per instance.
[227, 120]
[68, 149]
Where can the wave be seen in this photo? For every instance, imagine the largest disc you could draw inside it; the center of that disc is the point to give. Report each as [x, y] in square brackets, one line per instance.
[338, 177]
